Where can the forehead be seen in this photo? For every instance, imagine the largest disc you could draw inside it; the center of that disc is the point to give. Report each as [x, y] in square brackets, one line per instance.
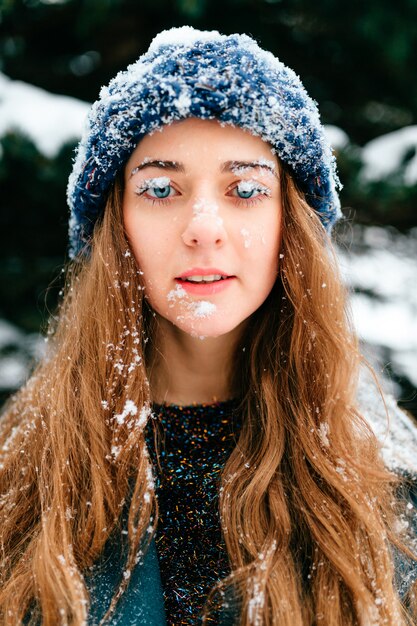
[194, 138]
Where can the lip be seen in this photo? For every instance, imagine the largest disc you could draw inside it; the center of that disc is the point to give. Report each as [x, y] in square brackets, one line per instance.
[204, 289]
[203, 271]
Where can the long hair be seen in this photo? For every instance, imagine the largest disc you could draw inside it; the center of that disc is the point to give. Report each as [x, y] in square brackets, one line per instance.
[305, 501]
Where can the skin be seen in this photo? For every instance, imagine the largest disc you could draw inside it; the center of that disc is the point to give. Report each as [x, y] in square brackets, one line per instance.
[203, 222]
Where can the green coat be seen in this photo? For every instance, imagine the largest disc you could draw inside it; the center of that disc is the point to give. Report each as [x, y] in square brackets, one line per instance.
[143, 602]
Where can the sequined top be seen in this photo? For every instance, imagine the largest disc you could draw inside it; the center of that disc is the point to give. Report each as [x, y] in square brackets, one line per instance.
[195, 444]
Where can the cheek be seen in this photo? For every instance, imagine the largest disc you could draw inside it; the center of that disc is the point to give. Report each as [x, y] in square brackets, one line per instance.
[260, 244]
[148, 244]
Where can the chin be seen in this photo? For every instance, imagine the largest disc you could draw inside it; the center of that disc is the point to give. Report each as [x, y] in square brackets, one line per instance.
[207, 328]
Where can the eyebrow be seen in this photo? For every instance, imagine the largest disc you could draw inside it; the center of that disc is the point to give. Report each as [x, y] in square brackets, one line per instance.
[227, 166]
[232, 166]
[172, 166]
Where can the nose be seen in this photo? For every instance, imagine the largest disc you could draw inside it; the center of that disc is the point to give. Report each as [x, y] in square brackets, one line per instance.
[205, 227]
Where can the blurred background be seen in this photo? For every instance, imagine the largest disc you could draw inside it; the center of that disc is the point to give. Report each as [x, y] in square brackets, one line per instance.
[358, 60]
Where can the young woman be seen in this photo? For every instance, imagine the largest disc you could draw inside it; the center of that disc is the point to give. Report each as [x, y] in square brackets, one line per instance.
[192, 444]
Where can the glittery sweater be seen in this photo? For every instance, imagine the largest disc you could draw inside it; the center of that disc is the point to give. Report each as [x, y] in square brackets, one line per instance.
[194, 444]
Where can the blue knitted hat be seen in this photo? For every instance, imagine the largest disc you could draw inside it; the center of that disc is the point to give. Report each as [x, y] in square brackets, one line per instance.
[191, 73]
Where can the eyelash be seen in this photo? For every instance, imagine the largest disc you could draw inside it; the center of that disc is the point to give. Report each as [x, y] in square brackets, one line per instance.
[141, 191]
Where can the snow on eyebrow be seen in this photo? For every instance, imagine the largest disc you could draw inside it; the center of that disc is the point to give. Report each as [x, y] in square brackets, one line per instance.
[160, 182]
[155, 162]
[238, 167]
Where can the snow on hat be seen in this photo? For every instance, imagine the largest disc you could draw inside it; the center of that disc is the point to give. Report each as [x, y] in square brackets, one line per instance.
[191, 73]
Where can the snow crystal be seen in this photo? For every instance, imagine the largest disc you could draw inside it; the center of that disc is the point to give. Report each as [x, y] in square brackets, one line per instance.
[184, 35]
[255, 604]
[246, 237]
[246, 186]
[129, 408]
[267, 164]
[323, 434]
[126, 574]
[203, 308]
[174, 294]
[203, 208]
[145, 412]
[115, 450]
[183, 104]
[149, 183]
[149, 478]
[68, 514]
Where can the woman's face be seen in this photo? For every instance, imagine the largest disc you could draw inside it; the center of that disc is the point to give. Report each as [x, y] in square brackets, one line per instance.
[202, 212]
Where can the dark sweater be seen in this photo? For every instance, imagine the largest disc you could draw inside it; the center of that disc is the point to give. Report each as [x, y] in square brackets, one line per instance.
[194, 446]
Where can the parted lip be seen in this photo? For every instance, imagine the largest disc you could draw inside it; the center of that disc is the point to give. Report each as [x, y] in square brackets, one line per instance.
[204, 271]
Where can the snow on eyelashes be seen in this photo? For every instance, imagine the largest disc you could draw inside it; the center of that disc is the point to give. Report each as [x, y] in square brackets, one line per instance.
[159, 185]
[161, 188]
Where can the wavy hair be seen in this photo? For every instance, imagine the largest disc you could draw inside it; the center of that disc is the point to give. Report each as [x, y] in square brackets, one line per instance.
[305, 501]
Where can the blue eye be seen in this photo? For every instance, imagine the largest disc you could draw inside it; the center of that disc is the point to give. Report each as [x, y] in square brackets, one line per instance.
[160, 192]
[245, 193]
[155, 189]
[250, 190]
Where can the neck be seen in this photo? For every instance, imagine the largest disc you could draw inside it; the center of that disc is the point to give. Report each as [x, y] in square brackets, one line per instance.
[187, 370]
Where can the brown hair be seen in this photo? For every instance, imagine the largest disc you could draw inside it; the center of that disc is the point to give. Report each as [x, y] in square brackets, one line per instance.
[305, 502]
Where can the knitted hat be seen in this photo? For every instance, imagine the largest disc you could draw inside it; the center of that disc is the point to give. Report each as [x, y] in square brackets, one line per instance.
[190, 73]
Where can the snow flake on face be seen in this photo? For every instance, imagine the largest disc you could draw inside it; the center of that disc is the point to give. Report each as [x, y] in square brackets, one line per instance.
[203, 208]
[203, 308]
[175, 294]
[247, 240]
